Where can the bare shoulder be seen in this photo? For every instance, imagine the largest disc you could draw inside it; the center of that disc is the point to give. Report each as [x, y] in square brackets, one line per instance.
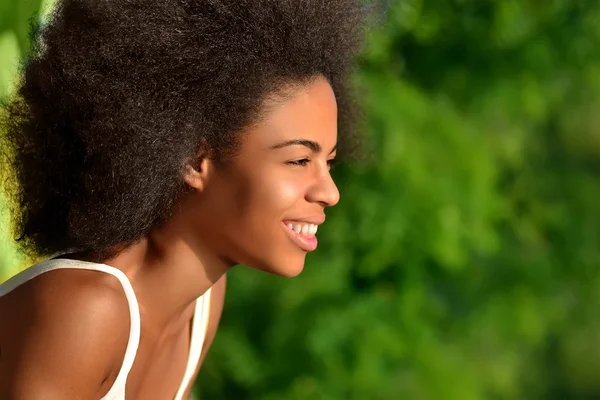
[62, 334]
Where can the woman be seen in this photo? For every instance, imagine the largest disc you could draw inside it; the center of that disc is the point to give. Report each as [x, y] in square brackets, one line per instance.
[156, 144]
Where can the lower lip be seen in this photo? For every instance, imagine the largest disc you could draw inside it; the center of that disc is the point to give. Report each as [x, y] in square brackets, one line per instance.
[306, 243]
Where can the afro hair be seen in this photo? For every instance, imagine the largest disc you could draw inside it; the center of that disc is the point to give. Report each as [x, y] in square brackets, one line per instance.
[118, 95]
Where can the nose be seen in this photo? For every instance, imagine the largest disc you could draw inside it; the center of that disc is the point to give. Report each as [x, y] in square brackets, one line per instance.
[324, 191]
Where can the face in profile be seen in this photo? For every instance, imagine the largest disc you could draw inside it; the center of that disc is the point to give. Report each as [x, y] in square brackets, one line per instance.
[263, 207]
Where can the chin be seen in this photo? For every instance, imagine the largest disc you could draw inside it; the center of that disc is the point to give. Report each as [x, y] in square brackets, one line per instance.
[291, 272]
[286, 269]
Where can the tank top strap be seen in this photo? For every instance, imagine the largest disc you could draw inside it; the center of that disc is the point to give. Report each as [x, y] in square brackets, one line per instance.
[118, 388]
[198, 336]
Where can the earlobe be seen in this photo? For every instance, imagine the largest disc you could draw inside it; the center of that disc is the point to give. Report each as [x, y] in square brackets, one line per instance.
[197, 177]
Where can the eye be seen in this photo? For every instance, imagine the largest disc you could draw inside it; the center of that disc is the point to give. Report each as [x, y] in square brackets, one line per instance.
[331, 163]
[301, 163]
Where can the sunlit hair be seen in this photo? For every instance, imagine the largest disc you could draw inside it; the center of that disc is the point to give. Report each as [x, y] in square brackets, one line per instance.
[117, 96]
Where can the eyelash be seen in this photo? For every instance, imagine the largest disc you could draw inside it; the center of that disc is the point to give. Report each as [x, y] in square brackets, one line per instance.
[303, 162]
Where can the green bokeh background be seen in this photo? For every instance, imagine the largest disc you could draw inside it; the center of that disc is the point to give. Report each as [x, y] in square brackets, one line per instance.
[462, 262]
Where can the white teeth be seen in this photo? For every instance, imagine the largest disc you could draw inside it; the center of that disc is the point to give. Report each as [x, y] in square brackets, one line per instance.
[304, 229]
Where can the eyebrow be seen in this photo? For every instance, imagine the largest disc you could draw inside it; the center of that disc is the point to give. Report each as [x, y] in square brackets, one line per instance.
[312, 145]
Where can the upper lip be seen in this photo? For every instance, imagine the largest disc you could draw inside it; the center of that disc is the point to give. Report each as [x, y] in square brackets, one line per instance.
[315, 220]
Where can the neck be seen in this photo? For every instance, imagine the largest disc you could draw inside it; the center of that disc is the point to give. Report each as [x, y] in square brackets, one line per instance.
[169, 271]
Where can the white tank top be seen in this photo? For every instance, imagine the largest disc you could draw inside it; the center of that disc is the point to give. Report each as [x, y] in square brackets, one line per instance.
[117, 391]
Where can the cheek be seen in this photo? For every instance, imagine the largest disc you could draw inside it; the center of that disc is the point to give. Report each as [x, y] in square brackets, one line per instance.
[283, 194]
[269, 196]
[252, 206]
[264, 206]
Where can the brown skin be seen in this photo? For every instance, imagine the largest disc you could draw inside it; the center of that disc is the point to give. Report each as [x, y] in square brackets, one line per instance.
[69, 328]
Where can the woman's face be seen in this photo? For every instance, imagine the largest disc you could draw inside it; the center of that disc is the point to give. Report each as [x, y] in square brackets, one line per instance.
[261, 207]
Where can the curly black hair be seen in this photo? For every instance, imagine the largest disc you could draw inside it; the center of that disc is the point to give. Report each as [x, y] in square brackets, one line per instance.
[117, 96]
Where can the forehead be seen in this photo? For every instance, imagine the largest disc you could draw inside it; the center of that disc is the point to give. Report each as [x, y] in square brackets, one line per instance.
[309, 112]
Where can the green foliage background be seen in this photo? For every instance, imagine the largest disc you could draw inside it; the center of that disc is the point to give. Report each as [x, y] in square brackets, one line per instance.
[462, 262]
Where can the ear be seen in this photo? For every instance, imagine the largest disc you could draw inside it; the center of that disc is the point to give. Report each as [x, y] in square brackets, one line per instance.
[196, 177]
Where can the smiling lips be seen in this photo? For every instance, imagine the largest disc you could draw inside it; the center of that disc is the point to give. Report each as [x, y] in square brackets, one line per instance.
[303, 234]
